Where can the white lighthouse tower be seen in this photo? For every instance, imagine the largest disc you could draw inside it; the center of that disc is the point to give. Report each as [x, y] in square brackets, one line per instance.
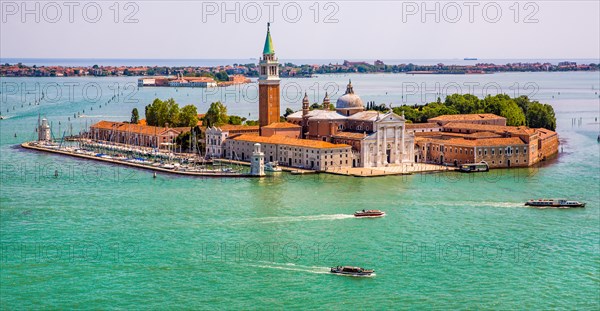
[257, 165]
[44, 131]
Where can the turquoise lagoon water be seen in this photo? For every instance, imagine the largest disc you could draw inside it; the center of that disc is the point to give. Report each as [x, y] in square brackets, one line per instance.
[105, 237]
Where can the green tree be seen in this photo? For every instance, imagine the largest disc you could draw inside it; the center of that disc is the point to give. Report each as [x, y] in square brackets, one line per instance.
[152, 112]
[207, 74]
[216, 114]
[466, 103]
[236, 120]
[315, 106]
[172, 117]
[135, 116]
[186, 141]
[505, 106]
[162, 111]
[221, 76]
[410, 113]
[541, 115]
[288, 111]
[523, 103]
[188, 116]
[159, 113]
[435, 109]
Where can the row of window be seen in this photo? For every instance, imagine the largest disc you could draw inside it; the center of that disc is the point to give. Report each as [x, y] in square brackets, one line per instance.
[508, 151]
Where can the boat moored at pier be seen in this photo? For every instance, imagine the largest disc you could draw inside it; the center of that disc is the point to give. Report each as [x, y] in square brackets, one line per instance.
[272, 167]
[556, 203]
[352, 271]
[475, 167]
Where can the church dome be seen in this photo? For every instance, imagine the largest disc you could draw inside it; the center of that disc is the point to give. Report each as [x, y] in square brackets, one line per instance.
[349, 100]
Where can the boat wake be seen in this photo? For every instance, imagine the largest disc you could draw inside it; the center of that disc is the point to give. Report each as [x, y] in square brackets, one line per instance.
[267, 220]
[291, 267]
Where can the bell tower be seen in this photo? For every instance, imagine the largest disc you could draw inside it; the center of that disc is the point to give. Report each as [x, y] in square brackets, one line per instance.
[268, 84]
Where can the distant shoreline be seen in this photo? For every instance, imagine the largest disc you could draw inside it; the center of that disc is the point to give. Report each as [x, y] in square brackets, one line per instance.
[288, 69]
[173, 62]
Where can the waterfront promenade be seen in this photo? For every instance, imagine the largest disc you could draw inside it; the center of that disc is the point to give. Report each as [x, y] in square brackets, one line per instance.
[403, 169]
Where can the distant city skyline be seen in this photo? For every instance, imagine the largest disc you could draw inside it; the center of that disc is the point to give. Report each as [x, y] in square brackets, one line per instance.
[343, 30]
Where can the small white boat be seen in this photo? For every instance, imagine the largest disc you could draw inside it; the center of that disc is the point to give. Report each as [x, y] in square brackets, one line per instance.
[272, 167]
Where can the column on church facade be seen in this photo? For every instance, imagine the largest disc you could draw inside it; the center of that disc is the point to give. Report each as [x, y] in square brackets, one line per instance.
[377, 142]
[403, 149]
[397, 154]
[384, 161]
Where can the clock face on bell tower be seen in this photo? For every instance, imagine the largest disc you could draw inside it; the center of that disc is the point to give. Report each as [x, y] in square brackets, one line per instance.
[268, 84]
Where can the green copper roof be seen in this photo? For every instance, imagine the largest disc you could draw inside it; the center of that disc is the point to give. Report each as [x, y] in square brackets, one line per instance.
[268, 43]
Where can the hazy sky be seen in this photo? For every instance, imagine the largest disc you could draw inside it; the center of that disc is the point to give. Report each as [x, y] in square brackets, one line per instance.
[337, 29]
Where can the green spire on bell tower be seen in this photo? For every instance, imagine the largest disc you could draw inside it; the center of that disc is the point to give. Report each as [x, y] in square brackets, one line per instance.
[269, 42]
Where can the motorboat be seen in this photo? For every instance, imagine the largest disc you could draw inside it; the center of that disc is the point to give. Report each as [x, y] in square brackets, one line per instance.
[352, 271]
[557, 203]
[369, 213]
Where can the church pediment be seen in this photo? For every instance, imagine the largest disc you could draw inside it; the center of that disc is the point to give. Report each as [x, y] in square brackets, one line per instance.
[390, 117]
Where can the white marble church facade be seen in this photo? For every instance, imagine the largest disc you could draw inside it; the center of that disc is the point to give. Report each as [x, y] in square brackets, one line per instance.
[389, 144]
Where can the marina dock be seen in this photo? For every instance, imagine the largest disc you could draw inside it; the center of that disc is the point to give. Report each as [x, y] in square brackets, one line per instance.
[37, 147]
[293, 170]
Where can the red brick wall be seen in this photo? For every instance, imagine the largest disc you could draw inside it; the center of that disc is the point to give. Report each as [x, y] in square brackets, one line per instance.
[268, 106]
[289, 132]
[548, 146]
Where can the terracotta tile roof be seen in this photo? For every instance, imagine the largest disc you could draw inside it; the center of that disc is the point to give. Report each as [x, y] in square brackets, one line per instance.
[233, 128]
[200, 79]
[132, 128]
[426, 134]
[485, 142]
[350, 135]
[284, 140]
[107, 125]
[466, 117]
[282, 125]
[490, 128]
[420, 125]
[500, 141]
[483, 135]
[544, 133]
